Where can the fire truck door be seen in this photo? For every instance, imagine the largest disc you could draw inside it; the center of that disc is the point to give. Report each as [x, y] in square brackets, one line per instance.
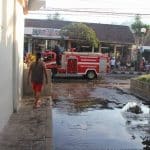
[72, 66]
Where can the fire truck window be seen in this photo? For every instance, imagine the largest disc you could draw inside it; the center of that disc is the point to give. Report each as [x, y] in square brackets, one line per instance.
[50, 57]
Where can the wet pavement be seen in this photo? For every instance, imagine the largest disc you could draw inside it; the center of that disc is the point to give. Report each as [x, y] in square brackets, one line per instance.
[29, 129]
[97, 115]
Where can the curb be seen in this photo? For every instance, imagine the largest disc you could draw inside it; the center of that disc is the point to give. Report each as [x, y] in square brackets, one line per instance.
[128, 72]
[131, 93]
[48, 137]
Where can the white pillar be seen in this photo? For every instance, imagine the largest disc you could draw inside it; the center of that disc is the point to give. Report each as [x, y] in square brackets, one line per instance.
[30, 45]
[46, 43]
[92, 49]
[69, 44]
[115, 49]
[99, 49]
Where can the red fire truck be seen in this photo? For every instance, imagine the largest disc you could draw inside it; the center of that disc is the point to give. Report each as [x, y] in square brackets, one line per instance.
[75, 64]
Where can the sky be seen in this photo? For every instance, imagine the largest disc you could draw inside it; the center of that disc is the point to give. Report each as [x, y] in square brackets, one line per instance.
[98, 11]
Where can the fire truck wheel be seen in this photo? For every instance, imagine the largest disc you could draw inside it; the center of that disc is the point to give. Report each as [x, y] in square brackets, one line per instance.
[91, 74]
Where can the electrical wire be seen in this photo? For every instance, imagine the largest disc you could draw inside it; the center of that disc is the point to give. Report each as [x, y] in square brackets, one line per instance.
[88, 12]
[93, 10]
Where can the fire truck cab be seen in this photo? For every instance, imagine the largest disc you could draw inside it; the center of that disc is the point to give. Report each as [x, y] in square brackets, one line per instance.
[75, 64]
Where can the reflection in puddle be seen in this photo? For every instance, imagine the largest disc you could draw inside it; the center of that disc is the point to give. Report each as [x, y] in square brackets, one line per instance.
[138, 125]
[99, 121]
[79, 126]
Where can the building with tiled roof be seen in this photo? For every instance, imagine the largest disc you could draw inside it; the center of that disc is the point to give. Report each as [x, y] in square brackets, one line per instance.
[113, 38]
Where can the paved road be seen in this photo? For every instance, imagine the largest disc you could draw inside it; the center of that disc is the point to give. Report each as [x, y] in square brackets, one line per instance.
[28, 129]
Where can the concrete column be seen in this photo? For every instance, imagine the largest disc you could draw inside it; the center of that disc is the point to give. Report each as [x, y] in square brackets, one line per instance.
[115, 48]
[92, 49]
[100, 49]
[46, 44]
[69, 44]
[14, 62]
[30, 45]
[17, 63]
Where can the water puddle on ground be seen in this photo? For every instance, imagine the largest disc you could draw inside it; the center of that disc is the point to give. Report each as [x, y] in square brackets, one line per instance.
[101, 119]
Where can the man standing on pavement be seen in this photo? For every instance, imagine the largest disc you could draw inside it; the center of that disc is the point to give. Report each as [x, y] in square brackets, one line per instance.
[112, 63]
[37, 72]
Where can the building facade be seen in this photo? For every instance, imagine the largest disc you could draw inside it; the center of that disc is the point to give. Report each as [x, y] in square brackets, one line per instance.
[11, 59]
[11, 47]
[116, 40]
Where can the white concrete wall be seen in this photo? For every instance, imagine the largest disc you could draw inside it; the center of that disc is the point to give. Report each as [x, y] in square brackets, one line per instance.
[18, 55]
[11, 56]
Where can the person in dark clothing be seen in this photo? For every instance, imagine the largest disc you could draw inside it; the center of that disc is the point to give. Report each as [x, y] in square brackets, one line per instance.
[58, 53]
[36, 73]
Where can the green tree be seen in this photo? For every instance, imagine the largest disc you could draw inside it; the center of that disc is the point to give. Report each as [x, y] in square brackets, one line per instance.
[80, 33]
[140, 36]
[137, 26]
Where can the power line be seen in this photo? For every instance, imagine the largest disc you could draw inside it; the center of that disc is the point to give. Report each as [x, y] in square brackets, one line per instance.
[86, 10]
[89, 14]
[71, 14]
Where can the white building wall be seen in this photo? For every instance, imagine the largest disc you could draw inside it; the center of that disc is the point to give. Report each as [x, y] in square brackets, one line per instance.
[11, 57]
[18, 55]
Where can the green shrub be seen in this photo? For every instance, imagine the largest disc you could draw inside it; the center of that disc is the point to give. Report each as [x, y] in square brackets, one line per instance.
[144, 78]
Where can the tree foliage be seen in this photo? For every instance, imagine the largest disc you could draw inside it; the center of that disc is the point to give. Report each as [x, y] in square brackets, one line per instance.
[81, 33]
[138, 25]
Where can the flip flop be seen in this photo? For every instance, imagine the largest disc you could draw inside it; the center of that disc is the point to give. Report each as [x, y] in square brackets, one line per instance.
[38, 104]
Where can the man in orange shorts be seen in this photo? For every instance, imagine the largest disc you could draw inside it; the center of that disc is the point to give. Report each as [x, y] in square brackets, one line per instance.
[37, 72]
